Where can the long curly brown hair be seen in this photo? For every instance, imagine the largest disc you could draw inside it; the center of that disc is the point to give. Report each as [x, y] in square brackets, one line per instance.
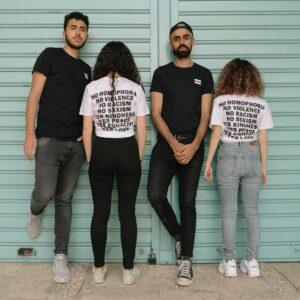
[114, 58]
[240, 77]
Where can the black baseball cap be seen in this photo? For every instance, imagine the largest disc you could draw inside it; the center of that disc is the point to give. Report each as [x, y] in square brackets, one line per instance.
[181, 25]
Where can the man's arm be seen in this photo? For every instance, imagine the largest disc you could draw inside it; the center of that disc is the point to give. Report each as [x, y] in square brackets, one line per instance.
[160, 124]
[87, 136]
[38, 83]
[185, 156]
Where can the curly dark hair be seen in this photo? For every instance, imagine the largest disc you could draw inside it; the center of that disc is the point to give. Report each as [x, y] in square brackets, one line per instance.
[240, 77]
[115, 58]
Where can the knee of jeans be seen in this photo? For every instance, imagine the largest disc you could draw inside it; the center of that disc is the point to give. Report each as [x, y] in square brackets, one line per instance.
[42, 197]
[65, 195]
[229, 212]
[253, 213]
[187, 208]
[187, 200]
[63, 202]
[127, 215]
[102, 211]
[155, 197]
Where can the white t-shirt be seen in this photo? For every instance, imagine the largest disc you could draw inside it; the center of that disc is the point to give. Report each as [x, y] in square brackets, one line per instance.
[240, 117]
[114, 119]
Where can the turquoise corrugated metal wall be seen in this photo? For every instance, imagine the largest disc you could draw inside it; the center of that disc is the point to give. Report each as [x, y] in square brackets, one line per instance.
[26, 29]
[265, 32]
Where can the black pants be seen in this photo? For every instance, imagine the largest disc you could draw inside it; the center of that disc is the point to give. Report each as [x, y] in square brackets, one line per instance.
[163, 167]
[110, 158]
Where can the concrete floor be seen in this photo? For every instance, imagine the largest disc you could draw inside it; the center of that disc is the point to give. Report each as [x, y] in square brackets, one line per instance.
[33, 281]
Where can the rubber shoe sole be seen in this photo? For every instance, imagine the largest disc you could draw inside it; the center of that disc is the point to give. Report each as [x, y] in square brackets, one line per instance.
[99, 277]
[182, 282]
[245, 270]
[221, 269]
[132, 278]
[61, 280]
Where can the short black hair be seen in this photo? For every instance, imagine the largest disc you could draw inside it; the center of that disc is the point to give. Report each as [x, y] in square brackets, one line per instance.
[77, 16]
[181, 25]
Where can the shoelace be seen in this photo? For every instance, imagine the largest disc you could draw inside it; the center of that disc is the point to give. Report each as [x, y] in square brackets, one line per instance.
[232, 264]
[253, 265]
[184, 269]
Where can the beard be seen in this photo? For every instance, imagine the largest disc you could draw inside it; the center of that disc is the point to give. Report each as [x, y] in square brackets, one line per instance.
[182, 53]
[74, 46]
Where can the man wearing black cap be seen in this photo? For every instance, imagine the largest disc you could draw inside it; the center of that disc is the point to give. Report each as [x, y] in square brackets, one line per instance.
[181, 95]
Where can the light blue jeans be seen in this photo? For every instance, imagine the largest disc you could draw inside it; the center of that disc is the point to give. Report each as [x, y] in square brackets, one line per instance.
[239, 166]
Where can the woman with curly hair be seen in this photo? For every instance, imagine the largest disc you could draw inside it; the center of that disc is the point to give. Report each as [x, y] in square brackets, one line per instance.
[239, 115]
[114, 102]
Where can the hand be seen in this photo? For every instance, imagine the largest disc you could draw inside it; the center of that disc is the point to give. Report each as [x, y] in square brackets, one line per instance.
[185, 156]
[208, 173]
[264, 177]
[30, 146]
[79, 139]
[177, 147]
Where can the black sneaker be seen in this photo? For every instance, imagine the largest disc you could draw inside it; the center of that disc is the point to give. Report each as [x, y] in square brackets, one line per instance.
[185, 272]
[178, 252]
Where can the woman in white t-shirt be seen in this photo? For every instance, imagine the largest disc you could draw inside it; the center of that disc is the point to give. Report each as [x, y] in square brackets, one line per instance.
[114, 102]
[238, 115]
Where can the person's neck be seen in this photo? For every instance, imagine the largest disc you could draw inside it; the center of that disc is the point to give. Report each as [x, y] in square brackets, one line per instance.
[71, 51]
[183, 62]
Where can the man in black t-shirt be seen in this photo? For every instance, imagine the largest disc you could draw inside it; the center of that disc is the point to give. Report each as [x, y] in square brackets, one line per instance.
[181, 96]
[59, 78]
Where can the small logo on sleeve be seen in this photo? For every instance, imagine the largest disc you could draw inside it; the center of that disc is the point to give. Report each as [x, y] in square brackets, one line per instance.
[197, 81]
[86, 76]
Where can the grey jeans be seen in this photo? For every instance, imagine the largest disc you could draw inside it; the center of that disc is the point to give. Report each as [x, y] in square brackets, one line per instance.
[57, 168]
[239, 166]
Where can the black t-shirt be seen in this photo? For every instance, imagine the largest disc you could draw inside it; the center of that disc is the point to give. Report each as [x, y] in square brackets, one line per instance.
[58, 115]
[182, 89]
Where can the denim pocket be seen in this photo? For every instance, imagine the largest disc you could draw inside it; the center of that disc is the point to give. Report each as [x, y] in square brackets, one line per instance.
[43, 141]
[226, 163]
[256, 163]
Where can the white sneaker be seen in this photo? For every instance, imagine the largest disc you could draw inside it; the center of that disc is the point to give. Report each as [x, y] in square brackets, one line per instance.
[60, 269]
[34, 225]
[228, 268]
[250, 267]
[99, 274]
[131, 276]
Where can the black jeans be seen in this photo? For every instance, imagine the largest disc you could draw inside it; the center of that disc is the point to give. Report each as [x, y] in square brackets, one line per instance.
[114, 157]
[57, 168]
[163, 166]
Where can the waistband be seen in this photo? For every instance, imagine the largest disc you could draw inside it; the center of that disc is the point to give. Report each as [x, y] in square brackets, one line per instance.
[252, 143]
[180, 137]
[113, 140]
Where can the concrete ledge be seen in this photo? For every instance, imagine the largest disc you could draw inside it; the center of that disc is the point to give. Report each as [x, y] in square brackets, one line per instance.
[33, 281]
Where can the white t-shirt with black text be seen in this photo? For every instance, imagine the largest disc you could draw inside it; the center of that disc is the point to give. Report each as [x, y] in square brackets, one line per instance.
[240, 117]
[114, 115]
